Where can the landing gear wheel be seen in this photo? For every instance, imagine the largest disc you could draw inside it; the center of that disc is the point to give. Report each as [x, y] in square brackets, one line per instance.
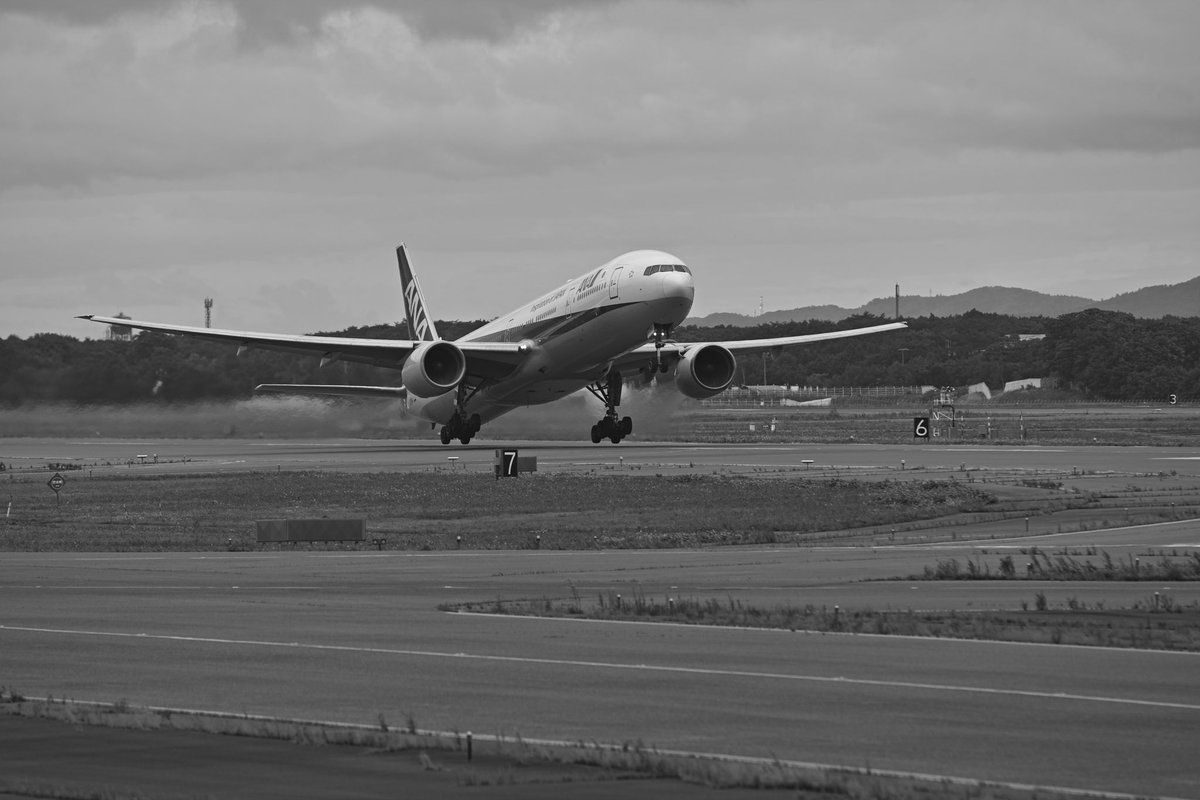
[610, 427]
[445, 435]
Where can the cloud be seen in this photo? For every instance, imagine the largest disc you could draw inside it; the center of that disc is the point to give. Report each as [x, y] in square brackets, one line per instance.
[250, 150]
[274, 21]
[168, 92]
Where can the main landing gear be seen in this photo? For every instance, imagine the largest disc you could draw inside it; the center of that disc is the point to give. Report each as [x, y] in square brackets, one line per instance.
[462, 428]
[610, 426]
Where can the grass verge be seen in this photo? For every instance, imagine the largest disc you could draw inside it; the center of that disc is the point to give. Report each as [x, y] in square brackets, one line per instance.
[1152, 625]
[507, 756]
[1042, 566]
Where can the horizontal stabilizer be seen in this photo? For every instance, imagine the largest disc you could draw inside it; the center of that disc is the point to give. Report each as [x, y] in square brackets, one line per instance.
[395, 392]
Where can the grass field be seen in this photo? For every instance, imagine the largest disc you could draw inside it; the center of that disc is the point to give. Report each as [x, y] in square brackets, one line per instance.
[426, 511]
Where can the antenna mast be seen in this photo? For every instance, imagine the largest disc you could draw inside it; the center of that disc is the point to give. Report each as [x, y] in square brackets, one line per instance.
[208, 312]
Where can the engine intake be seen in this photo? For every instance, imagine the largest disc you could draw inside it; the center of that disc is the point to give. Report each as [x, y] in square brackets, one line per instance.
[434, 368]
[705, 371]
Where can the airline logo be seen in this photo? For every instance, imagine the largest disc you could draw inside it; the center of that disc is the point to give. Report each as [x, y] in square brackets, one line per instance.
[417, 321]
[419, 326]
[589, 283]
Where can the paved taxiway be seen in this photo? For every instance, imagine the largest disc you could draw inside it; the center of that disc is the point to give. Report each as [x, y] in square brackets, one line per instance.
[354, 635]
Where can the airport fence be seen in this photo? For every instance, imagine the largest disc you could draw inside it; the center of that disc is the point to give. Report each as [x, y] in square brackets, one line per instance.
[760, 396]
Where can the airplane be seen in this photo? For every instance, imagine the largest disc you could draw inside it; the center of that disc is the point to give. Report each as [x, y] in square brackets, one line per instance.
[593, 332]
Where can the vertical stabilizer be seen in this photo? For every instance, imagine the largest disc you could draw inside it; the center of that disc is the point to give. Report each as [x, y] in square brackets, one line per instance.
[420, 326]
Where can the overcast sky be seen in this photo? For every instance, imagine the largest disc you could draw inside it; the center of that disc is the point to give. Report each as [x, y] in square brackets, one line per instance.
[271, 154]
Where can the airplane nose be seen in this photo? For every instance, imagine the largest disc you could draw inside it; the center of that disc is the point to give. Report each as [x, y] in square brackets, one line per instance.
[678, 286]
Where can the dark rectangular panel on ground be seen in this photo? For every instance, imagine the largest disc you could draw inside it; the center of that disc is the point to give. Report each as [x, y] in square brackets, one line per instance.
[312, 530]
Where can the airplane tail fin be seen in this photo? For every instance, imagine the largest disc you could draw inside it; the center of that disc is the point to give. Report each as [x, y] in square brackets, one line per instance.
[420, 326]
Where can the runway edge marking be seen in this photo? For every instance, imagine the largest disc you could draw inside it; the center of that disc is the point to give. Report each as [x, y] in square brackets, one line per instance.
[613, 665]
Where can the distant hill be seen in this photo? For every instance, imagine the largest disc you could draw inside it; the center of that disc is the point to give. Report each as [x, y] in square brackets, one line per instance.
[1180, 300]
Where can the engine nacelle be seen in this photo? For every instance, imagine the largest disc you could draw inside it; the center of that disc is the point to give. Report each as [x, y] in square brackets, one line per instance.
[434, 368]
[705, 371]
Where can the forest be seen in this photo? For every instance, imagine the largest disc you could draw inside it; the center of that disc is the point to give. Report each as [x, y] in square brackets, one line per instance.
[1100, 355]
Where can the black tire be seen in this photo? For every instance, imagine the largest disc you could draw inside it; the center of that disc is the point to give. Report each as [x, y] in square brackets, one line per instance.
[626, 427]
[596, 434]
[445, 435]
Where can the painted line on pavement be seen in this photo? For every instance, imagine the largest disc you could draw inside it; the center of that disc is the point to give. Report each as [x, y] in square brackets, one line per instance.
[615, 665]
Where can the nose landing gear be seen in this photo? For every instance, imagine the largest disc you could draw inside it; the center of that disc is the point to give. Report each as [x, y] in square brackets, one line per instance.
[661, 332]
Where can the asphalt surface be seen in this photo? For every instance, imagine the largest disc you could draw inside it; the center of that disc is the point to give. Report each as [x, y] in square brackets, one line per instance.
[350, 636]
[357, 454]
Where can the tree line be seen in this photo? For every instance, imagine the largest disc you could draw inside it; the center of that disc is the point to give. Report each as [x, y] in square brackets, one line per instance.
[1104, 355]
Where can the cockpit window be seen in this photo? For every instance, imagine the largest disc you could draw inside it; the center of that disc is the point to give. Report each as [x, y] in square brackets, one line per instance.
[666, 268]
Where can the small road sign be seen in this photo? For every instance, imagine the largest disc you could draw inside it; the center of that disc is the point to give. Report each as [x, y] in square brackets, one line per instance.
[506, 464]
[57, 482]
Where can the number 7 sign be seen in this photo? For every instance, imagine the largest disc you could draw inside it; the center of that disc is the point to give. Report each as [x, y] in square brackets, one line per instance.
[506, 464]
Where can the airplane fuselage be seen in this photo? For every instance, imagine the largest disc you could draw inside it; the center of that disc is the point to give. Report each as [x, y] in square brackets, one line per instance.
[573, 333]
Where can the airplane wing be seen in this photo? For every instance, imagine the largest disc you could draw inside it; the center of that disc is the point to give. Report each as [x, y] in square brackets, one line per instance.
[745, 347]
[484, 359]
[336, 390]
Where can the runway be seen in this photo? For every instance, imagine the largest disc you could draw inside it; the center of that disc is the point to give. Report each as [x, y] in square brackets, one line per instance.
[168, 455]
[353, 636]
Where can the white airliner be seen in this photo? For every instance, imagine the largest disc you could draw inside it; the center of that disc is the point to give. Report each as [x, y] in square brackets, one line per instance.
[591, 333]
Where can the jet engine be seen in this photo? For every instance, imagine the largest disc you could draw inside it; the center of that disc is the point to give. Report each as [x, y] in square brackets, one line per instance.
[434, 368]
[705, 371]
